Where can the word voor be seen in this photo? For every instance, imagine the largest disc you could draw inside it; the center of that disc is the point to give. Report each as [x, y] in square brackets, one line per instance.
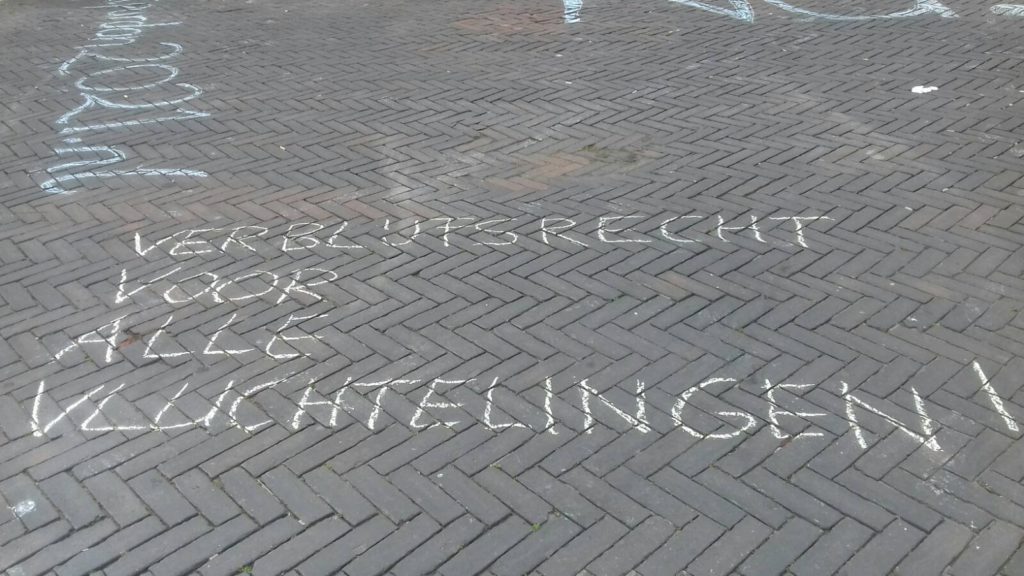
[118, 90]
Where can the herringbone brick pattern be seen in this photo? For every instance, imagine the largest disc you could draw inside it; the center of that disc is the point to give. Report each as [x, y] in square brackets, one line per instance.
[459, 288]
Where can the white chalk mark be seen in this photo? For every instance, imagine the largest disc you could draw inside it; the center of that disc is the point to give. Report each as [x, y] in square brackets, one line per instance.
[241, 241]
[858, 432]
[550, 424]
[205, 421]
[187, 242]
[774, 412]
[637, 421]
[387, 227]
[994, 398]
[166, 407]
[1007, 9]
[277, 335]
[569, 223]
[740, 10]
[311, 242]
[71, 407]
[211, 288]
[926, 422]
[572, 10]
[171, 71]
[426, 403]
[920, 7]
[23, 508]
[209, 347]
[490, 406]
[296, 286]
[481, 227]
[673, 237]
[798, 226]
[305, 401]
[448, 228]
[56, 185]
[237, 282]
[65, 67]
[149, 345]
[331, 241]
[923, 89]
[677, 412]
[36, 431]
[601, 230]
[120, 28]
[85, 427]
[752, 227]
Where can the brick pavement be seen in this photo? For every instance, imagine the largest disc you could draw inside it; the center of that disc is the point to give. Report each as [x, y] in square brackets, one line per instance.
[460, 288]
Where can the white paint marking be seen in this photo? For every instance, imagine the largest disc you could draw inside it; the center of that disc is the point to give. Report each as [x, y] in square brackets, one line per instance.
[550, 424]
[637, 422]
[544, 230]
[851, 416]
[1007, 9]
[425, 403]
[994, 398]
[490, 406]
[601, 230]
[23, 508]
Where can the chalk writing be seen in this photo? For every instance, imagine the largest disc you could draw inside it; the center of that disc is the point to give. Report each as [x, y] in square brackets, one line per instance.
[23, 508]
[465, 232]
[743, 11]
[1007, 9]
[137, 88]
[789, 409]
[572, 10]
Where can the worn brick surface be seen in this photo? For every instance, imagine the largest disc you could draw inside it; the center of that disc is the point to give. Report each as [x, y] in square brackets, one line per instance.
[468, 287]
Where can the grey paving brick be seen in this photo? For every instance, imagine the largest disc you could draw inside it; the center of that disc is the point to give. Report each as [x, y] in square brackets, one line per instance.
[112, 548]
[937, 550]
[486, 549]
[296, 496]
[650, 496]
[141, 557]
[385, 497]
[336, 555]
[253, 497]
[196, 553]
[340, 495]
[161, 497]
[563, 497]
[60, 551]
[833, 549]
[987, 552]
[606, 497]
[394, 547]
[477, 501]
[633, 548]
[518, 498]
[729, 550]
[441, 546]
[394, 171]
[32, 542]
[246, 551]
[681, 548]
[781, 549]
[881, 554]
[590, 544]
[209, 500]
